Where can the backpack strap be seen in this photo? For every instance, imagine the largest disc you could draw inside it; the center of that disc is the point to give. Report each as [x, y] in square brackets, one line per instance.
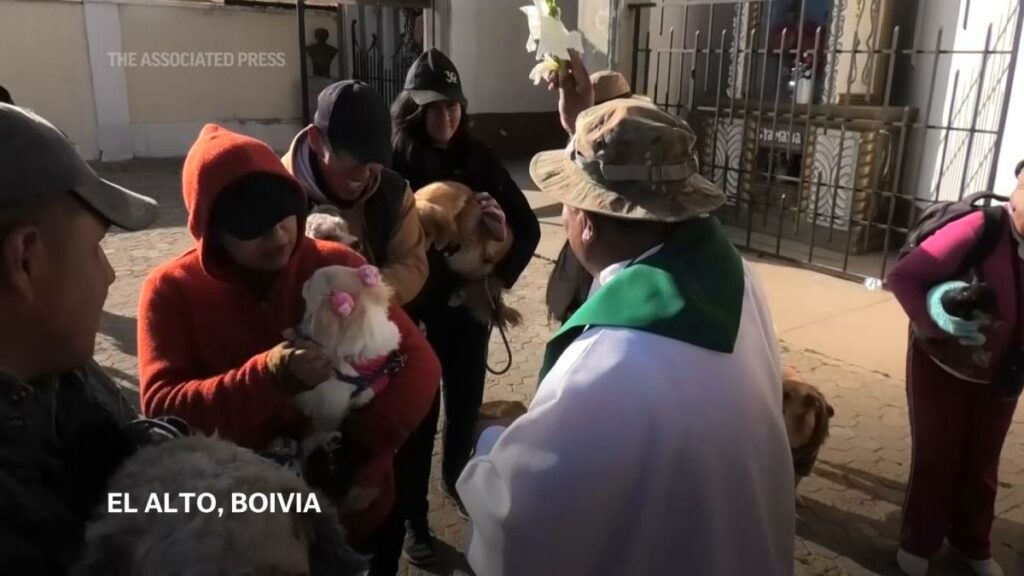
[382, 214]
[990, 232]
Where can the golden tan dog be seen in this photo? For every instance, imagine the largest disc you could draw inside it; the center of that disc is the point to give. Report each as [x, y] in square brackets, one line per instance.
[807, 416]
[503, 412]
[453, 222]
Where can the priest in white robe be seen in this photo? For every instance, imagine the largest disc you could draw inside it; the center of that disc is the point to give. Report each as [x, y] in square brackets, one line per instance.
[655, 444]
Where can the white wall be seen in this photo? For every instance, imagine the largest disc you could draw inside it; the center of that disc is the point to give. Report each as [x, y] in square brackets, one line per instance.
[1012, 149]
[967, 156]
[488, 45]
[170, 105]
[114, 110]
[923, 146]
[44, 63]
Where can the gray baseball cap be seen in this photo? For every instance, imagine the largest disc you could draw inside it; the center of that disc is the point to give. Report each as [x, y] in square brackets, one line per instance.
[38, 161]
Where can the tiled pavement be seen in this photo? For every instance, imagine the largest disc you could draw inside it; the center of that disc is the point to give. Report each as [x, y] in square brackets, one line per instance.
[850, 520]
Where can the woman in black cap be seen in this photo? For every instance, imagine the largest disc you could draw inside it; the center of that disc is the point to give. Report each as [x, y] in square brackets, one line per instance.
[432, 143]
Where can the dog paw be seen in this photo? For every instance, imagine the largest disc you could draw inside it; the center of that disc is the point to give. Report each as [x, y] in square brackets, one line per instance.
[362, 398]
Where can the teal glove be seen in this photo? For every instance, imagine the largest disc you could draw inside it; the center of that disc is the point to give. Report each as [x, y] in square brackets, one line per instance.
[968, 332]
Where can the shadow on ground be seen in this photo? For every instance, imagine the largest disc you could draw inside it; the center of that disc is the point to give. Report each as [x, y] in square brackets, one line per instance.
[450, 562]
[122, 330]
[871, 542]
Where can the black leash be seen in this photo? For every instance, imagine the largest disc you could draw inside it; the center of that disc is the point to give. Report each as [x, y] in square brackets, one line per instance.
[501, 330]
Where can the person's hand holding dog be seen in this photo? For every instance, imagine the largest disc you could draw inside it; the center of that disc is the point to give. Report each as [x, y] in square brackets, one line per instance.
[493, 215]
[966, 331]
[298, 364]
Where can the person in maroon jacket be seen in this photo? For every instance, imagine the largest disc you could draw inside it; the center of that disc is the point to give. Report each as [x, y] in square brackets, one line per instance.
[961, 388]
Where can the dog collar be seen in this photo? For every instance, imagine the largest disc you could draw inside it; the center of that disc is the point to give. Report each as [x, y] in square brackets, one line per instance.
[375, 373]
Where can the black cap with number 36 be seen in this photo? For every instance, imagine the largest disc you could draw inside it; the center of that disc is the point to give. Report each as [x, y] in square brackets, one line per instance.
[433, 78]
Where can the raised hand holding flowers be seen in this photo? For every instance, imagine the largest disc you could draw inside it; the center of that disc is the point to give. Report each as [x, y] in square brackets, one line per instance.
[549, 39]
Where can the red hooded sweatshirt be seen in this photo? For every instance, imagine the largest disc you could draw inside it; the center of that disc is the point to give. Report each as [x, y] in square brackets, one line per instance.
[204, 334]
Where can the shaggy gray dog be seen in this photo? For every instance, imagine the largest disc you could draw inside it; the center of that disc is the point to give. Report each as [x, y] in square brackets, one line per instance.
[293, 543]
[325, 223]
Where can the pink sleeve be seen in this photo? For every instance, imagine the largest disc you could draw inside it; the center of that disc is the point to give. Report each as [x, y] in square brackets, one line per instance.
[936, 260]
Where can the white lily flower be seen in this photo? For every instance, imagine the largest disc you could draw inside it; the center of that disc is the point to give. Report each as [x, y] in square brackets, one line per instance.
[548, 38]
[533, 21]
[543, 69]
[556, 41]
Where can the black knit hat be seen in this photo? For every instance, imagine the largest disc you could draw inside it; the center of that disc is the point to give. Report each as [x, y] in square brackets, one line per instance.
[251, 206]
[433, 78]
[355, 119]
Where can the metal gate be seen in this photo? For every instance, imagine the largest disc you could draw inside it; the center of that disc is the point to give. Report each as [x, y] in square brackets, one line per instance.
[386, 36]
[831, 123]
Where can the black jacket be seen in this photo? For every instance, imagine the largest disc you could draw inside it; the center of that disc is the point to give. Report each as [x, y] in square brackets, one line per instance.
[60, 441]
[474, 165]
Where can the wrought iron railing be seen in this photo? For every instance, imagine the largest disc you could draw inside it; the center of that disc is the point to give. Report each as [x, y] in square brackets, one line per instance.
[829, 131]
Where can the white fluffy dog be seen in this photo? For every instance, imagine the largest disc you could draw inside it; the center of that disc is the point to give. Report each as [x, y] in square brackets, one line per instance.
[347, 314]
[299, 541]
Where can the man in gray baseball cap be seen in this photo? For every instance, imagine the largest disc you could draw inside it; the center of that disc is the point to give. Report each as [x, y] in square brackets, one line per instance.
[61, 418]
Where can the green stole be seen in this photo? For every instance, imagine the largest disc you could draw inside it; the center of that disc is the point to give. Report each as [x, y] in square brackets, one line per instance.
[690, 290]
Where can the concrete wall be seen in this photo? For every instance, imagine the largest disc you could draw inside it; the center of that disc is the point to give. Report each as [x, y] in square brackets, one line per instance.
[488, 45]
[81, 64]
[94, 68]
[1012, 149]
[170, 104]
[44, 63]
[936, 159]
[980, 94]
[922, 145]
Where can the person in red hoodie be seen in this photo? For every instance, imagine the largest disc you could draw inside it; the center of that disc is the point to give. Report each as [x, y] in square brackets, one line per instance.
[211, 322]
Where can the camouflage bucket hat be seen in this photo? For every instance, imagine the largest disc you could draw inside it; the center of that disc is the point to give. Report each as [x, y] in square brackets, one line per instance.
[629, 160]
[610, 85]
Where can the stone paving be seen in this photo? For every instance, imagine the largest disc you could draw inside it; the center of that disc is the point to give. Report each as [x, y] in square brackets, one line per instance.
[850, 519]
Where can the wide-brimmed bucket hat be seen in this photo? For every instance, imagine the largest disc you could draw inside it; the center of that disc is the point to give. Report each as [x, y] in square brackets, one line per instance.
[631, 160]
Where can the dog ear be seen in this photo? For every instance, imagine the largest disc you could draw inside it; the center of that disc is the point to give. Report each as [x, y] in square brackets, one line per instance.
[325, 326]
[438, 227]
[380, 294]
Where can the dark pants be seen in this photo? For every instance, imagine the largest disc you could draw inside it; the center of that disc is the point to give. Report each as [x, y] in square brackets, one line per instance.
[385, 545]
[460, 343]
[957, 432]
